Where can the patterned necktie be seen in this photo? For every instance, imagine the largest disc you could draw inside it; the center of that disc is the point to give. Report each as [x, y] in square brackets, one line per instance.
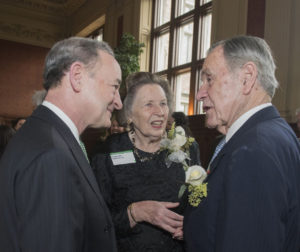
[217, 150]
[84, 150]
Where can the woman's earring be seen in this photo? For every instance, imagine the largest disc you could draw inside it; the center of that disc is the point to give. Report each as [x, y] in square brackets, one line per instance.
[129, 127]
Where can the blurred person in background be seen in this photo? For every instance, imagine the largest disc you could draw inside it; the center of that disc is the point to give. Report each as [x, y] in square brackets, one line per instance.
[182, 120]
[38, 97]
[6, 133]
[18, 123]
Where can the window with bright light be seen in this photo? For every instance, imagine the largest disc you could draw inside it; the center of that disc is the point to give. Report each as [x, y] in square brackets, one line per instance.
[181, 33]
[97, 34]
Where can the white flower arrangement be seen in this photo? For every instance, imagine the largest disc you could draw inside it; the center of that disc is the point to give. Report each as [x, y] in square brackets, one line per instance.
[195, 175]
[177, 145]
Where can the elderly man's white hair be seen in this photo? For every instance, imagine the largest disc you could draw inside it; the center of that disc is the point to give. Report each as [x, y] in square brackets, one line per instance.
[238, 50]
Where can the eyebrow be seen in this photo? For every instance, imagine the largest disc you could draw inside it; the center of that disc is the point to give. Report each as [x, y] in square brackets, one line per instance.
[204, 72]
[164, 99]
[201, 73]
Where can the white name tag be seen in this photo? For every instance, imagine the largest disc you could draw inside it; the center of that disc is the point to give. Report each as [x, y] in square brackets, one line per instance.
[123, 157]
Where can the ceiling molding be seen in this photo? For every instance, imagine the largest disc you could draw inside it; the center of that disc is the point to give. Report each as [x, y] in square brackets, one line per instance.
[55, 7]
[44, 22]
[29, 35]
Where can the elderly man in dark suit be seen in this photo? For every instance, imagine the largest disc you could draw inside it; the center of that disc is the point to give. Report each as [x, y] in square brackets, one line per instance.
[49, 197]
[253, 190]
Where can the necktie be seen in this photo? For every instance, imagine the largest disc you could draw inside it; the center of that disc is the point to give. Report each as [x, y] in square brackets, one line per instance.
[217, 150]
[83, 149]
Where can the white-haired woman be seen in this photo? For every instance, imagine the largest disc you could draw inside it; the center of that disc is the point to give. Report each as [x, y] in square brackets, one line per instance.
[139, 188]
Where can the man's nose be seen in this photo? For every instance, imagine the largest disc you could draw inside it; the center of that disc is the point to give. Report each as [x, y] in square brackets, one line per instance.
[117, 101]
[202, 93]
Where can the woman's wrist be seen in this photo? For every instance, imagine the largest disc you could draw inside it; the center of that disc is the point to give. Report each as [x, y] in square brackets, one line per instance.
[131, 213]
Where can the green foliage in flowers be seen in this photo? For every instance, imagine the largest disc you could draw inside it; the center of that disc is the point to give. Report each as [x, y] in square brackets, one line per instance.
[171, 132]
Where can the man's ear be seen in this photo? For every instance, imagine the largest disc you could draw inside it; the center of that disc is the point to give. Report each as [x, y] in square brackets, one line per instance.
[249, 76]
[76, 76]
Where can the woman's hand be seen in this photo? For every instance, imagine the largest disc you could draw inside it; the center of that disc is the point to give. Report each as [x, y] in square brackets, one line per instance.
[157, 213]
[178, 234]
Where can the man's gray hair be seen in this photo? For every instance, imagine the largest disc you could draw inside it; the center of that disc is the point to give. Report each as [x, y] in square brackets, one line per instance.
[65, 52]
[241, 49]
[297, 111]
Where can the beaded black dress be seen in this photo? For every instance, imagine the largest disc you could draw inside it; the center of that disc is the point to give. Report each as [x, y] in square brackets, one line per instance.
[147, 179]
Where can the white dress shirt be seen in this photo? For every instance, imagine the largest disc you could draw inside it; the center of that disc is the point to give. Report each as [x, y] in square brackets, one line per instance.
[243, 118]
[56, 110]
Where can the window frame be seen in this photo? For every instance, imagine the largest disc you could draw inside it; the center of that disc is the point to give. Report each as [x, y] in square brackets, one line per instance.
[196, 64]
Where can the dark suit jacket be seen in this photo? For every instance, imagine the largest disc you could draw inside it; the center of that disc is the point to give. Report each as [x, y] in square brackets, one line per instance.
[253, 201]
[49, 197]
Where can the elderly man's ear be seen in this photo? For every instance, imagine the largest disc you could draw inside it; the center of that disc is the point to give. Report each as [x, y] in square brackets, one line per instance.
[76, 75]
[249, 75]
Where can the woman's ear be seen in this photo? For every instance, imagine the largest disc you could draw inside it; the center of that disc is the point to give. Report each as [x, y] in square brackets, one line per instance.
[76, 76]
[249, 77]
[128, 123]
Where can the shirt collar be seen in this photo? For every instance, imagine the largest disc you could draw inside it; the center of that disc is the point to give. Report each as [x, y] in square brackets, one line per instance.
[56, 110]
[243, 118]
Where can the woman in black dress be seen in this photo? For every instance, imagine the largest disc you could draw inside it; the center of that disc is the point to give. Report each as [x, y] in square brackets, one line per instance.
[138, 187]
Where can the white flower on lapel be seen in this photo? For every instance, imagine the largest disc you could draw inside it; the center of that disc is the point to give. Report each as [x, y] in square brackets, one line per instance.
[195, 175]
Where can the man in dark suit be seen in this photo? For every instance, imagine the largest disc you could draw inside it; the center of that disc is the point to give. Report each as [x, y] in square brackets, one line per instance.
[253, 190]
[298, 122]
[49, 197]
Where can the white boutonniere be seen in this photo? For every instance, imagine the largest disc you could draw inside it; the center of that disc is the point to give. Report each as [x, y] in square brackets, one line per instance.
[178, 145]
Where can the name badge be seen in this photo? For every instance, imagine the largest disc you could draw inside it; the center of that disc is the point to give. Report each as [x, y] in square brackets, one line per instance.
[123, 157]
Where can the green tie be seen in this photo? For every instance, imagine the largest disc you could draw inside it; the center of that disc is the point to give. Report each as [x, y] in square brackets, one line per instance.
[84, 150]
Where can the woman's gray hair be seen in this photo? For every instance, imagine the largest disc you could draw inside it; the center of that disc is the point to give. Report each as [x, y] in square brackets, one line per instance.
[65, 52]
[241, 49]
[137, 80]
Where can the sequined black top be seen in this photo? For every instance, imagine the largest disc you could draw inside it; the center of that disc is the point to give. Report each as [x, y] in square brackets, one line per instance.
[124, 184]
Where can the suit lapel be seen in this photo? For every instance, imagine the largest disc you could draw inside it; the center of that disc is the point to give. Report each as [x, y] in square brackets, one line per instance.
[215, 162]
[45, 114]
[265, 114]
